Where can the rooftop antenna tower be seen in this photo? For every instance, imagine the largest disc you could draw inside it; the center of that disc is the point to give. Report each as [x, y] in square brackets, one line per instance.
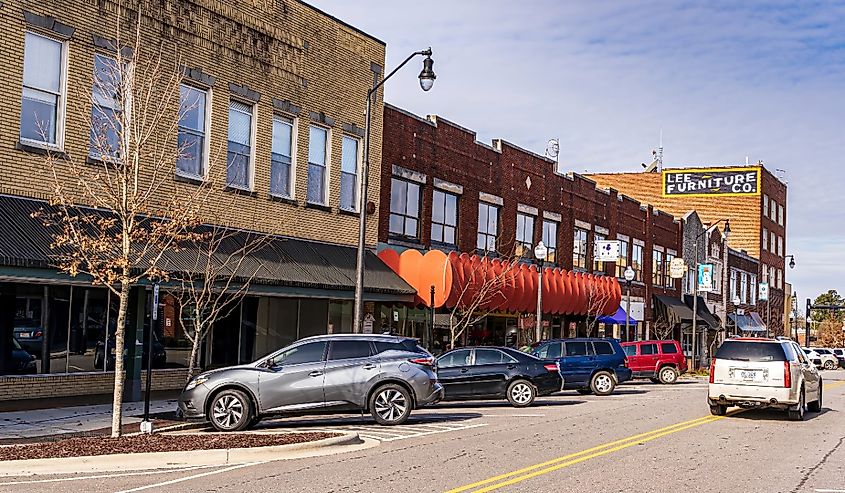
[660, 153]
[656, 165]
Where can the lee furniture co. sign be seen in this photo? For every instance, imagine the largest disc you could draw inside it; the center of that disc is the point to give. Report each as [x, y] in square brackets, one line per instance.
[712, 181]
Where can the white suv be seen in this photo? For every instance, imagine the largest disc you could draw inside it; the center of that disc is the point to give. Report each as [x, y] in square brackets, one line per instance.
[829, 359]
[759, 373]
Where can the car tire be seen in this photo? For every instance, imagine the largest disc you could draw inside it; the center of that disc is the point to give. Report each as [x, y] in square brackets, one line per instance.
[718, 409]
[602, 383]
[521, 393]
[586, 391]
[816, 405]
[829, 365]
[230, 410]
[390, 405]
[798, 414]
[668, 375]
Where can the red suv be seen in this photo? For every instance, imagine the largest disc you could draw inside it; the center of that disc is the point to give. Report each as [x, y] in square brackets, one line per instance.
[659, 361]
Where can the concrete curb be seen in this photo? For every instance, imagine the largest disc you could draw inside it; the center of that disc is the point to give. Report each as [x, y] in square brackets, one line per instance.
[168, 460]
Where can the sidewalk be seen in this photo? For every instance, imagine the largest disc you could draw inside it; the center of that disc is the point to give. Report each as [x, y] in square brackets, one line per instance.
[73, 420]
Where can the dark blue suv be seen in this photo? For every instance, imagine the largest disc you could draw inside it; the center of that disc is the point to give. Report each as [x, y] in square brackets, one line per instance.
[589, 364]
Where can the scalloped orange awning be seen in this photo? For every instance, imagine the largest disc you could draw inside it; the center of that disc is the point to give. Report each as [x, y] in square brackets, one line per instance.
[460, 279]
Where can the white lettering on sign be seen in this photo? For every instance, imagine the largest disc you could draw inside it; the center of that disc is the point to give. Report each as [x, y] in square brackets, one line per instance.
[717, 181]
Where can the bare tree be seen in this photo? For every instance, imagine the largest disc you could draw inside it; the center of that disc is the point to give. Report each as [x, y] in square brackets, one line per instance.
[597, 300]
[662, 328]
[116, 211]
[831, 333]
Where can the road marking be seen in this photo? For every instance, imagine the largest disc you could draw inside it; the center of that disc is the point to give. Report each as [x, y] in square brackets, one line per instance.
[381, 433]
[101, 476]
[514, 415]
[583, 455]
[830, 491]
[833, 385]
[194, 476]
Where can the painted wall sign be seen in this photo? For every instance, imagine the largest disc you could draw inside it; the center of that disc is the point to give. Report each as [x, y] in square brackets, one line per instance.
[711, 181]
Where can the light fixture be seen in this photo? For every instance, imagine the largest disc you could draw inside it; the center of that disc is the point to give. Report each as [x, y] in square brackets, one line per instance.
[427, 75]
[792, 263]
[727, 227]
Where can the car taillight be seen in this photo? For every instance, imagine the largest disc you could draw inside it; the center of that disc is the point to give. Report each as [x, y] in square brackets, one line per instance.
[787, 375]
[550, 366]
[712, 369]
[423, 361]
[625, 362]
[37, 333]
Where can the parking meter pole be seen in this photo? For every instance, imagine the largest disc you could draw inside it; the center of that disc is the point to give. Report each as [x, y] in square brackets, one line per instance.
[146, 426]
[430, 336]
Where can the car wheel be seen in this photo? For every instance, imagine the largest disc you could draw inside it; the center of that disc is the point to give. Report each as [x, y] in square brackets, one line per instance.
[798, 414]
[718, 409]
[816, 405]
[231, 410]
[521, 393]
[602, 383]
[668, 375]
[829, 365]
[586, 391]
[390, 405]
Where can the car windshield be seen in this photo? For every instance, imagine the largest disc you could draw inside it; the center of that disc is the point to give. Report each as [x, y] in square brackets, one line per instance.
[751, 351]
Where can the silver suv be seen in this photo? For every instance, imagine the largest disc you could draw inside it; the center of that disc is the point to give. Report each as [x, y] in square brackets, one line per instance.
[385, 375]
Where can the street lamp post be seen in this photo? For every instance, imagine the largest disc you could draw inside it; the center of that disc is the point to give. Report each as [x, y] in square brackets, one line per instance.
[695, 286]
[629, 276]
[426, 81]
[736, 301]
[540, 252]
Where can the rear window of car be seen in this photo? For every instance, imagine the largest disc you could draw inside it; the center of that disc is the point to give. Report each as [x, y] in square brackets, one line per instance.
[551, 350]
[668, 348]
[603, 348]
[491, 357]
[349, 349]
[577, 349]
[751, 351]
[631, 350]
[648, 349]
[405, 345]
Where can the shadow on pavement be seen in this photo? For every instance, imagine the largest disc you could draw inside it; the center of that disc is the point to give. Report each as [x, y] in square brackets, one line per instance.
[777, 415]
[540, 402]
[417, 417]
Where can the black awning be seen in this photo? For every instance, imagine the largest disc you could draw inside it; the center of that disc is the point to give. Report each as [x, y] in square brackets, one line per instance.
[672, 310]
[280, 261]
[703, 312]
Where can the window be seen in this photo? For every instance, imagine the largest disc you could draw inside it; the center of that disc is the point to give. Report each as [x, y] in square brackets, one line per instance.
[780, 279]
[349, 350]
[404, 208]
[457, 358]
[631, 350]
[780, 246]
[105, 110]
[318, 177]
[637, 261]
[550, 240]
[648, 349]
[754, 352]
[239, 153]
[780, 215]
[623, 258]
[765, 239]
[405, 345]
[598, 266]
[752, 295]
[743, 288]
[657, 267]
[667, 278]
[577, 349]
[773, 210]
[668, 348]
[311, 352]
[192, 129]
[491, 357]
[488, 227]
[772, 278]
[765, 205]
[444, 217]
[579, 249]
[734, 294]
[602, 348]
[349, 174]
[524, 235]
[42, 104]
[772, 243]
[550, 351]
[281, 157]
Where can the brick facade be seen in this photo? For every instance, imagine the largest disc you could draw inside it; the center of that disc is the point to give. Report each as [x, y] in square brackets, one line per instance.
[14, 388]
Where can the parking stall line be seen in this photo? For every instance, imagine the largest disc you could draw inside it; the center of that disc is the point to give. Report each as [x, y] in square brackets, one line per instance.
[105, 476]
[192, 477]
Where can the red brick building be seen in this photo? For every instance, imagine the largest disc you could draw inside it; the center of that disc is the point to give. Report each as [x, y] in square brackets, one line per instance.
[442, 189]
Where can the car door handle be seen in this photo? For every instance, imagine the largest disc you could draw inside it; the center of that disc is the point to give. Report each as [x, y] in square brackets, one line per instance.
[464, 370]
[315, 373]
[369, 366]
[511, 367]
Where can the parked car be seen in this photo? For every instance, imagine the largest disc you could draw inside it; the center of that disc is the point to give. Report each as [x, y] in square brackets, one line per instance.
[388, 376]
[829, 360]
[588, 365]
[159, 354]
[840, 355]
[23, 363]
[661, 361]
[760, 373]
[485, 372]
[815, 358]
[29, 335]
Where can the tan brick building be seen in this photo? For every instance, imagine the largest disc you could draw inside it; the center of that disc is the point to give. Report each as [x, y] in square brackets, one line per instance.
[277, 94]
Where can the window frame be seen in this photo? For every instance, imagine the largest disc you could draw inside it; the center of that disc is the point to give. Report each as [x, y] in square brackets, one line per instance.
[551, 245]
[206, 131]
[444, 225]
[332, 343]
[637, 266]
[487, 235]
[622, 262]
[62, 96]
[326, 166]
[657, 267]
[356, 183]
[765, 239]
[294, 133]
[523, 248]
[116, 109]
[404, 215]
[250, 168]
[577, 254]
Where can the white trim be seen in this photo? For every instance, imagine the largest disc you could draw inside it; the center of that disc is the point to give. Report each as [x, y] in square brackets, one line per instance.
[61, 104]
[409, 175]
[657, 248]
[583, 225]
[638, 242]
[490, 198]
[326, 164]
[623, 237]
[671, 252]
[359, 170]
[552, 216]
[293, 148]
[601, 230]
[448, 186]
[527, 209]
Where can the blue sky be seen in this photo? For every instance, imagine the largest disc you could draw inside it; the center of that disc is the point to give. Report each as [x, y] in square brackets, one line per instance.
[723, 80]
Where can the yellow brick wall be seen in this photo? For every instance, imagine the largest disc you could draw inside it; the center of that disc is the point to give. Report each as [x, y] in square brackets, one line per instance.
[283, 49]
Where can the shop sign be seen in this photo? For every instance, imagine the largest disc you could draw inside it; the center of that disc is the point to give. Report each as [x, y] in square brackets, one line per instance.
[677, 268]
[606, 251]
[763, 293]
[369, 319]
[705, 182]
[705, 278]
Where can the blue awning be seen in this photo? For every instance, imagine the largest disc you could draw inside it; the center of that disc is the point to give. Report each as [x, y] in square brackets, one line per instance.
[617, 318]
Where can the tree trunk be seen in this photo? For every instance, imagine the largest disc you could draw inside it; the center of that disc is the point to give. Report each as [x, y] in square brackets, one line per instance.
[195, 346]
[119, 344]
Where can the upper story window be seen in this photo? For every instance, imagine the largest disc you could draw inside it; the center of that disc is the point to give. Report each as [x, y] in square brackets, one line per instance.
[318, 176]
[281, 157]
[106, 110]
[550, 239]
[765, 239]
[752, 295]
[444, 217]
[349, 174]
[733, 292]
[637, 261]
[765, 205]
[42, 104]
[743, 287]
[191, 138]
[657, 267]
[780, 246]
[404, 208]
[780, 214]
[239, 152]
[524, 235]
[667, 278]
[773, 210]
[488, 227]
[579, 249]
[772, 242]
[780, 279]
[623, 258]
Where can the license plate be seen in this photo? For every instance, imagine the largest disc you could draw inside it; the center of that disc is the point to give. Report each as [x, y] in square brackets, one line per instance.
[26, 334]
[748, 375]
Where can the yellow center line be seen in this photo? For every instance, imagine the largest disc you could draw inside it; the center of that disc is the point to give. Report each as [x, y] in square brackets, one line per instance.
[833, 385]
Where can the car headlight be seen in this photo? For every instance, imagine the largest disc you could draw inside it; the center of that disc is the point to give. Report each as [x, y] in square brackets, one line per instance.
[199, 380]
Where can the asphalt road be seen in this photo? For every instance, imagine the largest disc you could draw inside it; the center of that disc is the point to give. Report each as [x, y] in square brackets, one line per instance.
[646, 437]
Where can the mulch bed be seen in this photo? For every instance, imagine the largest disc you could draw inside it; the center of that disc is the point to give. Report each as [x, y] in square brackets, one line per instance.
[86, 446]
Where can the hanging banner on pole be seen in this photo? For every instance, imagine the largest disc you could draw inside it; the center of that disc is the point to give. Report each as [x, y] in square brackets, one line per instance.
[763, 293]
[677, 268]
[606, 251]
[705, 278]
